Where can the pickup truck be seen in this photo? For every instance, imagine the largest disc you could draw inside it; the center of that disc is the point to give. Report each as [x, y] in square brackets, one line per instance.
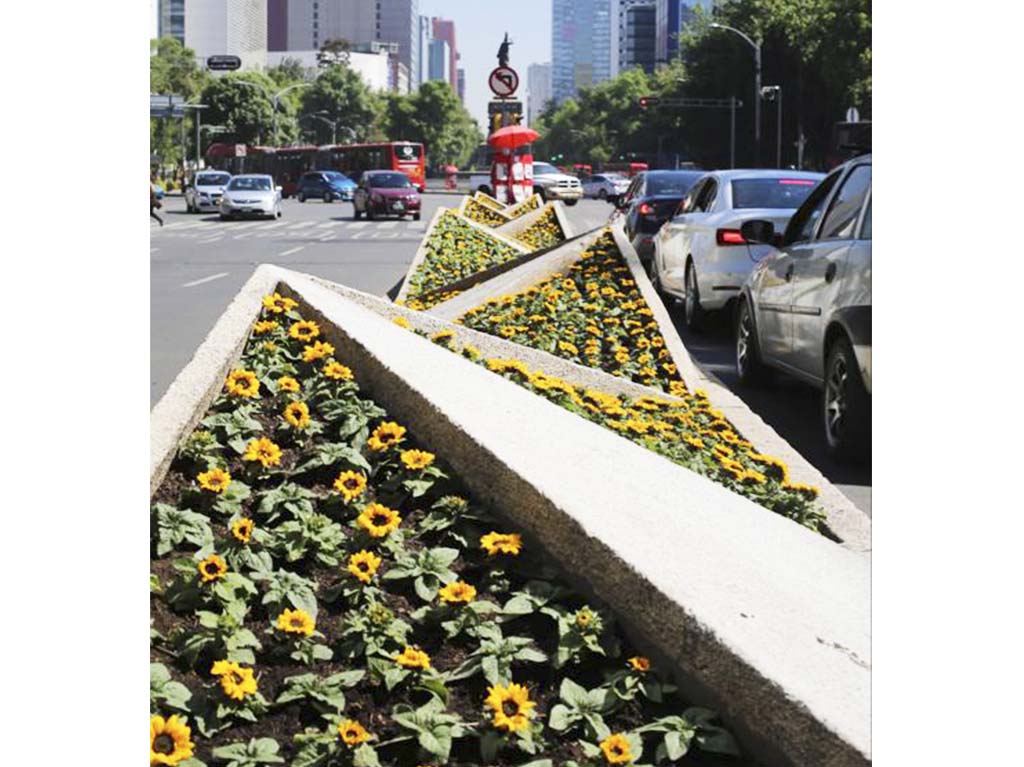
[549, 182]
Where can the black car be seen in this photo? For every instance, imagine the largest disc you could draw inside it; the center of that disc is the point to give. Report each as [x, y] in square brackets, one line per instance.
[326, 185]
[652, 198]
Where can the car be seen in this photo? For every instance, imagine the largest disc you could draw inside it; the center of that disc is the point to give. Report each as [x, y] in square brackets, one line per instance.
[700, 256]
[251, 194]
[205, 191]
[385, 193]
[806, 307]
[552, 184]
[604, 186]
[326, 185]
[651, 198]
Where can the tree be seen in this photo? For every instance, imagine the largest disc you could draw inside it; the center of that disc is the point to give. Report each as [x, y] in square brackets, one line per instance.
[288, 72]
[173, 71]
[243, 103]
[434, 116]
[345, 99]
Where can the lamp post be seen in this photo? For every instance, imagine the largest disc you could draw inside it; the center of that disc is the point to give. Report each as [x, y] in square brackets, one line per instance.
[757, 86]
[334, 125]
[774, 93]
[199, 119]
[277, 101]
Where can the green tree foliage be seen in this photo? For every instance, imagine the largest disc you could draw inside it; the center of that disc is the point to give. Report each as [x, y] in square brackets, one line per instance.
[434, 116]
[243, 103]
[288, 72]
[173, 70]
[342, 96]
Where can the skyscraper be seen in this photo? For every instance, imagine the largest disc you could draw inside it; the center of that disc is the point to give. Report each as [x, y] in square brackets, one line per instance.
[461, 79]
[581, 45]
[311, 23]
[232, 27]
[171, 22]
[538, 90]
[672, 17]
[423, 40]
[277, 25]
[443, 29]
[638, 41]
[440, 61]
[397, 21]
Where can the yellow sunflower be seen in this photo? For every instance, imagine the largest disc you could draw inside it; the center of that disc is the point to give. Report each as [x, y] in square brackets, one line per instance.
[511, 705]
[504, 543]
[386, 436]
[287, 383]
[337, 371]
[378, 520]
[317, 351]
[352, 733]
[457, 591]
[401, 321]
[584, 617]
[616, 749]
[416, 460]
[304, 330]
[243, 383]
[214, 480]
[242, 529]
[640, 663]
[264, 451]
[297, 414]
[296, 622]
[278, 304]
[363, 565]
[350, 484]
[264, 326]
[810, 492]
[213, 568]
[413, 657]
[236, 681]
[170, 740]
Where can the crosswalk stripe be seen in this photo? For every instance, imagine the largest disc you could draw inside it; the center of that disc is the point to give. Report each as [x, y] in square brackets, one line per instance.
[272, 225]
[388, 225]
[359, 224]
[301, 225]
[327, 224]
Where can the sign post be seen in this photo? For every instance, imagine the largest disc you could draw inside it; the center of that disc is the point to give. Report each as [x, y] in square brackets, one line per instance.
[511, 176]
[223, 63]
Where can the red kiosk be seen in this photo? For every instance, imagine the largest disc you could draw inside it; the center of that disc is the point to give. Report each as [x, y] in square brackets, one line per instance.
[511, 174]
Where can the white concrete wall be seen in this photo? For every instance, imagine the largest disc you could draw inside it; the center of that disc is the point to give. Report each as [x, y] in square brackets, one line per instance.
[228, 27]
[372, 67]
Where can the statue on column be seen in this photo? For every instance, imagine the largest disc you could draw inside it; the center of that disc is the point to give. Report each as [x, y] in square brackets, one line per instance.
[503, 52]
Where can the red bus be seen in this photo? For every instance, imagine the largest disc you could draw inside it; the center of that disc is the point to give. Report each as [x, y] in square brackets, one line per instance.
[353, 159]
[626, 168]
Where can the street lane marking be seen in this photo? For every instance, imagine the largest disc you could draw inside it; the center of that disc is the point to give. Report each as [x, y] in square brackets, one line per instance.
[272, 225]
[204, 279]
[388, 225]
[326, 224]
[359, 224]
[153, 250]
[302, 225]
[289, 252]
[211, 239]
[414, 225]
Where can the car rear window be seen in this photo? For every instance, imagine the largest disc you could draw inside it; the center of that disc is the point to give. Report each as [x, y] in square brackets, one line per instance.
[213, 179]
[249, 184]
[389, 180]
[771, 192]
[671, 183]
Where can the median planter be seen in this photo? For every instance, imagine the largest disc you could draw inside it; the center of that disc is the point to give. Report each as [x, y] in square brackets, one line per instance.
[764, 620]
[540, 229]
[481, 213]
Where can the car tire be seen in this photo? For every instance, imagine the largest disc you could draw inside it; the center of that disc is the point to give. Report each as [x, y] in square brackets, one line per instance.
[570, 203]
[415, 216]
[602, 194]
[693, 314]
[750, 368]
[278, 212]
[846, 404]
[652, 274]
[369, 213]
[356, 215]
[328, 197]
[301, 197]
[485, 189]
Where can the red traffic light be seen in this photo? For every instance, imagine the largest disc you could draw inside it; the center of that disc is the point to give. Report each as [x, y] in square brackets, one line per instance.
[648, 101]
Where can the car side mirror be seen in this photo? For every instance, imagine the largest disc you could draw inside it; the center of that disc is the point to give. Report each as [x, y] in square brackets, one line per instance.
[759, 232]
[279, 188]
[621, 203]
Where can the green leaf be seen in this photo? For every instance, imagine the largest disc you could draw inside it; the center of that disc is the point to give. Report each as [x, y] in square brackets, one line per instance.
[489, 664]
[573, 694]
[365, 756]
[561, 717]
[675, 745]
[490, 744]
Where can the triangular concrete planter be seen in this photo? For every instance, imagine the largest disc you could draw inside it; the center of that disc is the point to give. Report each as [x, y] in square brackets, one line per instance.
[516, 226]
[469, 202]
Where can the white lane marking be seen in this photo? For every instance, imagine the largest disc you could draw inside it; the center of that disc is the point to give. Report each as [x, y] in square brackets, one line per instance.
[272, 225]
[414, 225]
[302, 225]
[386, 236]
[211, 239]
[204, 279]
[359, 224]
[292, 250]
[153, 250]
[326, 224]
[388, 225]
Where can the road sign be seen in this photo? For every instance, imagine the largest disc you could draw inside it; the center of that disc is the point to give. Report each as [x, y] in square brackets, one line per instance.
[166, 105]
[852, 115]
[503, 81]
[223, 63]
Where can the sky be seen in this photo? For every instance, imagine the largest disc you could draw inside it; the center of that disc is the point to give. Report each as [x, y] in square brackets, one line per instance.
[480, 26]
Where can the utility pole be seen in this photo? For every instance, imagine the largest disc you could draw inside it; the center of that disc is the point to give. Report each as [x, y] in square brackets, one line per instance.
[774, 93]
[757, 86]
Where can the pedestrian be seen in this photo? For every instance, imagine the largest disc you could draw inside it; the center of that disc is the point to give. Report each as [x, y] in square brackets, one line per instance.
[154, 203]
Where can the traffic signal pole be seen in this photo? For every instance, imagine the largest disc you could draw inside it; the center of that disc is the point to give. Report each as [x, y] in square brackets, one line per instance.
[732, 104]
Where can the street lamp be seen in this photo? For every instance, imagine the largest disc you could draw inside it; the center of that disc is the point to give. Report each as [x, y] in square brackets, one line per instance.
[334, 125]
[757, 86]
[774, 93]
[199, 119]
[277, 101]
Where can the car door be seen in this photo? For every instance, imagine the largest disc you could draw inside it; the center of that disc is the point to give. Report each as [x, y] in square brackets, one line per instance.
[672, 238]
[819, 270]
[698, 236]
[773, 277]
[634, 193]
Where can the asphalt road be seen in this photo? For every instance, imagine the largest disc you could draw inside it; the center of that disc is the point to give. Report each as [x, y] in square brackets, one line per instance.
[198, 263]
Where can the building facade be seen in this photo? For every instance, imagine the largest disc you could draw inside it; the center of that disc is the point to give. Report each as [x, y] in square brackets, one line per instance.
[443, 29]
[397, 21]
[440, 61]
[171, 19]
[374, 68]
[581, 45]
[423, 39]
[312, 23]
[538, 90]
[228, 27]
[638, 39]
[461, 79]
[277, 25]
[672, 17]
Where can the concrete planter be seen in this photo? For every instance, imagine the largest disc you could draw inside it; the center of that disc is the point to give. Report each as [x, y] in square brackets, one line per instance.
[758, 617]
[466, 201]
[517, 225]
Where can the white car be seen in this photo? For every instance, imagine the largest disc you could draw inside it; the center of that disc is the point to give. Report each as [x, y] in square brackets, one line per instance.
[605, 186]
[205, 191]
[551, 184]
[251, 194]
[700, 254]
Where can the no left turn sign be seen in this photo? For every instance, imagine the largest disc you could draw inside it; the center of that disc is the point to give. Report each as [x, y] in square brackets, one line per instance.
[503, 81]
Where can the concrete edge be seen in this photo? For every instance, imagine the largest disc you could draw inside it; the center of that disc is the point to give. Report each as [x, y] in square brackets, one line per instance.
[517, 225]
[462, 212]
[511, 209]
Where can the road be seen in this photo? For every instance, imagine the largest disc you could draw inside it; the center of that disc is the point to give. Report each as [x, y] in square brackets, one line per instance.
[198, 263]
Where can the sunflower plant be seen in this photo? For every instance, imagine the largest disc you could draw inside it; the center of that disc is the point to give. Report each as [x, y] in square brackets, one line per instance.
[579, 706]
[309, 536]
[165, 691]
[433, 727]
[287, 498]
[371, 629]
[175, 527]
[294, 634]
[344, 742]
[580, 632]
[324, 694]
[694, 725]
[496, 654]
[283, 589]
[217, 635]
[256, 752]
[430, 569]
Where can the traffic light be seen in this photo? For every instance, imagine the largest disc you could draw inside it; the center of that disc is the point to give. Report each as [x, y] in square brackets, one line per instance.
[649, 101]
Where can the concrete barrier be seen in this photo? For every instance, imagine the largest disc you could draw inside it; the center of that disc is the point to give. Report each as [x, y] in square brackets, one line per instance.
[761, 619]
[517, 225]
[467, 200]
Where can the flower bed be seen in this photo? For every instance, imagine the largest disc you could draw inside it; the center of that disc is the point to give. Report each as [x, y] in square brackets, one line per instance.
[454, 250]
[594, 315]
[482, 214]
[323, 593]
[488, 202]
[545, 232]
[533, 202]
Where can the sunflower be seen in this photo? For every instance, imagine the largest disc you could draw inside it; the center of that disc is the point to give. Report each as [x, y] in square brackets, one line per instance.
[413, 657]
[810, 492]
[386, 436]
[511, 705]
[264, 451]
[337, 371]
[416, 460]
[212, 568]
[352, 733]
[236, 681]
[304, 330]
[214, 480]
[243, 383]
[318, 351]
[584, 617]
[242, 529]
[504, 543]
[278, 304]
[378, 520]
[457, 591]
[287, 383]
[402, 322]
[350, 484]
[363, 565]
[296, 622]
[170, 740]
[264, 326]
[442, 335]
[640, 663]
[297, 414]
[616, 749]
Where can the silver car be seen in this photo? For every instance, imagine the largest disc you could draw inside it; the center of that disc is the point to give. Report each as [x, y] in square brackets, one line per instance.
[605, 186]
[205, 191]
[806, 308]
[251, 194]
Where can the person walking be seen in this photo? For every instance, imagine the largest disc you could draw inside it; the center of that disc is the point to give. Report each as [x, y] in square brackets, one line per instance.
[154, 203]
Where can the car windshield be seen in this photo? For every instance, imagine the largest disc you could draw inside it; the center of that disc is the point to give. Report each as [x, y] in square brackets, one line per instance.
[670, 183]
[213, 179]
[333, 175]
[771, 192]
[407, 152]
[543, 169]
[389, 180]
[250, 184]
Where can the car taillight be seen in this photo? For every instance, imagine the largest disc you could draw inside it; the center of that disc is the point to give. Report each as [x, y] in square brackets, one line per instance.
[645, 209]
[729, 237]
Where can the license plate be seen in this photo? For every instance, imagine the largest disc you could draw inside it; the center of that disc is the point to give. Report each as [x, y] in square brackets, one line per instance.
[398, 206]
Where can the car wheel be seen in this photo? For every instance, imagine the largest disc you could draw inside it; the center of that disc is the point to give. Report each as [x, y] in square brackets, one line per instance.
[693, 315]
[570, 203]
[328, 197]
[278, 212]
[415, 216]
[369, 213]
[846, 405]
[602, 194]
[652, 273]
[486, 190]
[301, 197]
[355, 213]
[749, 368]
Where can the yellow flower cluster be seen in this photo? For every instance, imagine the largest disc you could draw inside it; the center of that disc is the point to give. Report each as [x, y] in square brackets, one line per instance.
[542, 233]
[237, 681]
[522, 208]
[488, 202]
[483, 214]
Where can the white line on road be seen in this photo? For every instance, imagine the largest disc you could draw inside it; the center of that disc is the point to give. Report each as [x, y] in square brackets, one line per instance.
[211, 239]
[292, 250]
[326, 224]
[359, 224]
[302, 225]
[274, 225]
[153, 250]
[205, 279]
[388, 225]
